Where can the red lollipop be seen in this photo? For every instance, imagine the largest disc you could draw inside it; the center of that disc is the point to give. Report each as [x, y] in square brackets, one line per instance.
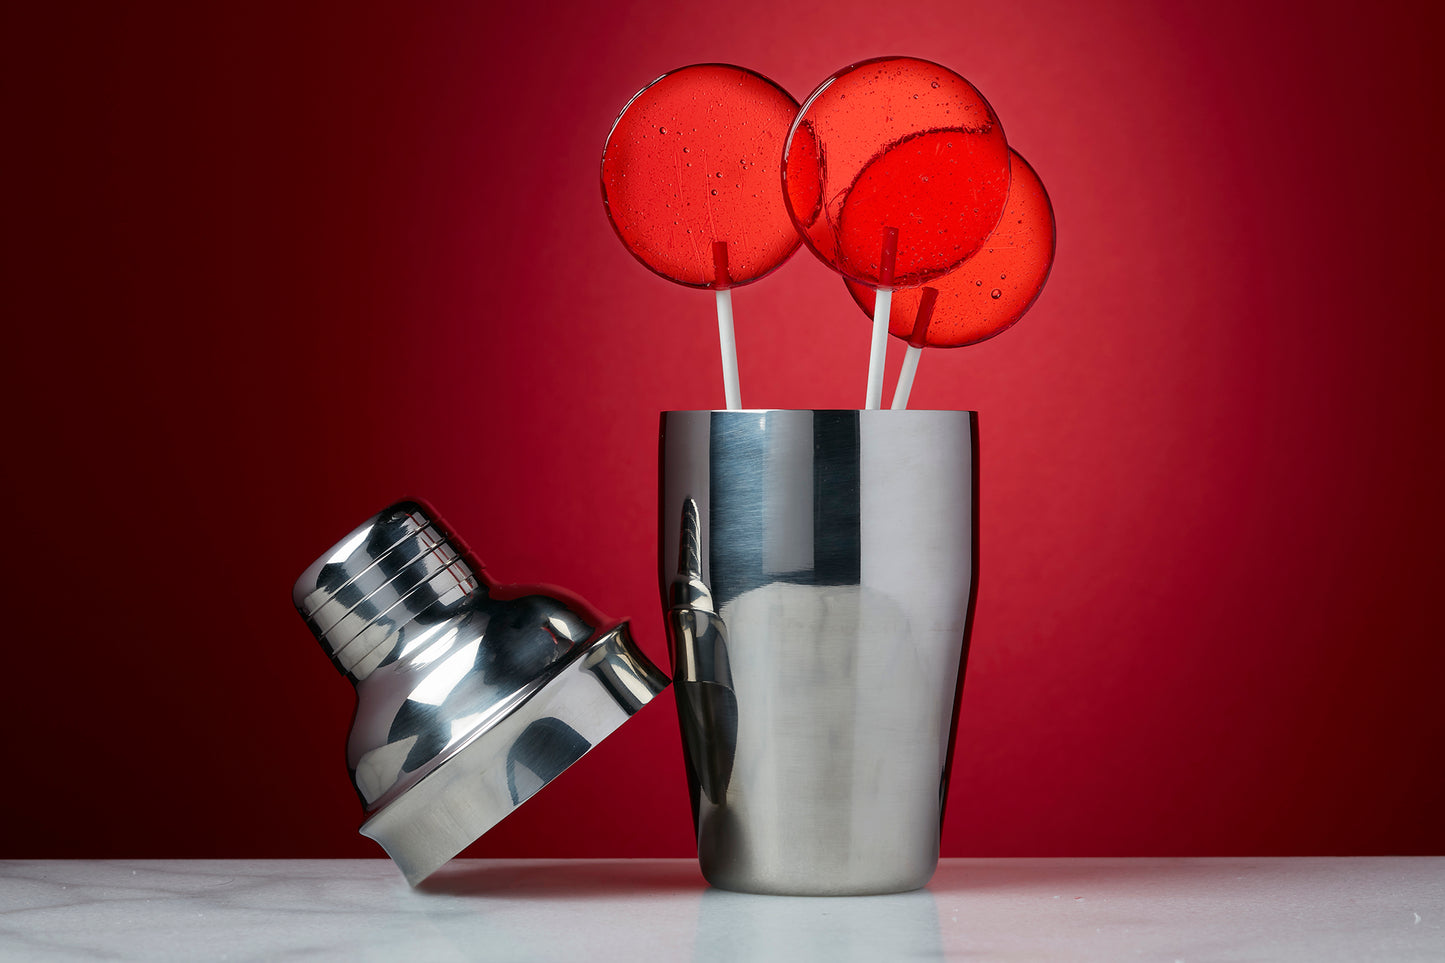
[895, 171]
[984, 295]
[690, 182]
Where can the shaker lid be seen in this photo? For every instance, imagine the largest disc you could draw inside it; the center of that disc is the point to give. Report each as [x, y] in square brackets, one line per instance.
[470, 696]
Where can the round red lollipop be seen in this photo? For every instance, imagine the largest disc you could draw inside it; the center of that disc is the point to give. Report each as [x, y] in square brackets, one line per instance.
[693, 161]
[895, 143]
[990, 291]
[984, 295]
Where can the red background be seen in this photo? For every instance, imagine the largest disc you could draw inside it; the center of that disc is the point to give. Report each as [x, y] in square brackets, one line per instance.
[270, 267]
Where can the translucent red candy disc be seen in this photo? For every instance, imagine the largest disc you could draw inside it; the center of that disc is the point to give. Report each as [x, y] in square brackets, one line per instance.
[901, 143]
[991, 290]
[694, 159]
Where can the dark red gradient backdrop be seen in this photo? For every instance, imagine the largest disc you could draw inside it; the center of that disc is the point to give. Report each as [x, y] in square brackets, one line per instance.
[271, 266]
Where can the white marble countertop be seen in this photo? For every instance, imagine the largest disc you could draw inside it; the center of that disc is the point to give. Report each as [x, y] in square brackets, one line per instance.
[648, 909]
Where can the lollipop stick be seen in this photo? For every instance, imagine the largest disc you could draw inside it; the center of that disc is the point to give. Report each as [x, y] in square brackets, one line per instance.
[878, 348]
[905, 377]
[882, 305]
[726, 341]
[729, 349]
[916, 341]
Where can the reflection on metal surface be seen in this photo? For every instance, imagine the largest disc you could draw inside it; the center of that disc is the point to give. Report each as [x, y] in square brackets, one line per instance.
[702, 682]
[818, 569]
[739, 926]
[467, 701]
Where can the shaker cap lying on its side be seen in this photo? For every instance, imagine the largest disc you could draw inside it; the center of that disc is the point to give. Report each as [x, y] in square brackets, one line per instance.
[470, 697]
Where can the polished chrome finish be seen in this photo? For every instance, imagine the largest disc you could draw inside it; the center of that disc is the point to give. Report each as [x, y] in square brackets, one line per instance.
[818, 568]
[470, 698]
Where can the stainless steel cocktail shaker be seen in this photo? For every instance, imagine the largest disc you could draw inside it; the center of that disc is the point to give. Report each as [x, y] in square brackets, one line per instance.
[471, 696]
[818, 568]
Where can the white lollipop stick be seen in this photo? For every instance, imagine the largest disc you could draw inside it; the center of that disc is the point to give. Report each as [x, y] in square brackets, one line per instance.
[915, 349]
[882, 305]
[905, 378]
[729, 349]
[878, 349]
[726, 342]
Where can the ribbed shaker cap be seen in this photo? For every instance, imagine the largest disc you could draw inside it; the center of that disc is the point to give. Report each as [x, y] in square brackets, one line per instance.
[396, 566]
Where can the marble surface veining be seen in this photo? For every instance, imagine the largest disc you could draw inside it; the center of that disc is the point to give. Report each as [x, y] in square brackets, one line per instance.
[599, 910]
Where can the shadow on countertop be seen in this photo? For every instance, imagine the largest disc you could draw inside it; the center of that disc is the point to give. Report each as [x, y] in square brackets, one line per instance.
[602, 878]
